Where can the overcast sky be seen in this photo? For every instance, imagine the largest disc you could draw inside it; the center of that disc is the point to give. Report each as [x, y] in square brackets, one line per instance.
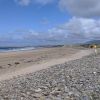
[29, 22]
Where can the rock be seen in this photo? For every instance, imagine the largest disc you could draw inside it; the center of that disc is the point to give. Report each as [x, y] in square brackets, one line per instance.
[38, 90]
[74, 80]
[94, 73]
[46, 93]
[43, 87]
[28, 93]
[36, 95]
[66, 89]
[55, 93]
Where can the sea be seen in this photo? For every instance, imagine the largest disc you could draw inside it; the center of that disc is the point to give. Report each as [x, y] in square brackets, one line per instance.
[10, 49]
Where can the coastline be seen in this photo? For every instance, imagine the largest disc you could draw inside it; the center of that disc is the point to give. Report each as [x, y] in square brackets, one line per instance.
[13, 49]
[12, 61]
[44, 65]
[77, 79]
[27, 48]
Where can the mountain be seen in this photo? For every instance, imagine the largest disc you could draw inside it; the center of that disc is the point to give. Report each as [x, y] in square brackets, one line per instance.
[88, 43]
[97, 42]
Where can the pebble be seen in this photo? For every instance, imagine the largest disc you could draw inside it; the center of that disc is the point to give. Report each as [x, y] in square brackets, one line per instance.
[74, 80]
[38, 90]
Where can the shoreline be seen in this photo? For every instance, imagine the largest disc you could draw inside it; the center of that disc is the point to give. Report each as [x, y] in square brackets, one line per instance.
[44, 65]
[19, 49]
[74, 80]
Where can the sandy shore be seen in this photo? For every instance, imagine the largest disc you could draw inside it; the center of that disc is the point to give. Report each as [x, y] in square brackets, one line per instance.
[11, 61]
[24, 62]
[78, 79]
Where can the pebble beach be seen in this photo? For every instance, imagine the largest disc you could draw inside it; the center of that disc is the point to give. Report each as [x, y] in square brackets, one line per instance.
[74, 80]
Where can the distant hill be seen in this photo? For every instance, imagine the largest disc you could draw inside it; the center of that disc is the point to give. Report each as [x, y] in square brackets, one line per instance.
[97, 42]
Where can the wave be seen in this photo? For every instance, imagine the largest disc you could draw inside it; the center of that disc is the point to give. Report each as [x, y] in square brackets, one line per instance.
[9, 49]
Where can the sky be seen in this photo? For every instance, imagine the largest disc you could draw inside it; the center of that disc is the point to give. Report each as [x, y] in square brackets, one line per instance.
[40, 22]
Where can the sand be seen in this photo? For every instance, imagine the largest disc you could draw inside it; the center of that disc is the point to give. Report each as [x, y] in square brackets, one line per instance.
[13, 64]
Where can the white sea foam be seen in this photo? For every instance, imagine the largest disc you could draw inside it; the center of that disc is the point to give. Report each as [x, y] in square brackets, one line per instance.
[16, 49]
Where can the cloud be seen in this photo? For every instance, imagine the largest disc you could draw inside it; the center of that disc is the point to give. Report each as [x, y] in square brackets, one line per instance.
[44, 2]
[79, 29]
[78, 8]
[74, 31]
[81, 8]
[28, 2]
[23, 2]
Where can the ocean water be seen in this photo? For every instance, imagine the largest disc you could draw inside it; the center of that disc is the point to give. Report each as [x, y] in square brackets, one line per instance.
[9, 49]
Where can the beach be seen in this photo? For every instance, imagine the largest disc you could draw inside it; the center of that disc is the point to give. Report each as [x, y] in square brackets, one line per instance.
[13, 61]
[66, 73]
[24, 62]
